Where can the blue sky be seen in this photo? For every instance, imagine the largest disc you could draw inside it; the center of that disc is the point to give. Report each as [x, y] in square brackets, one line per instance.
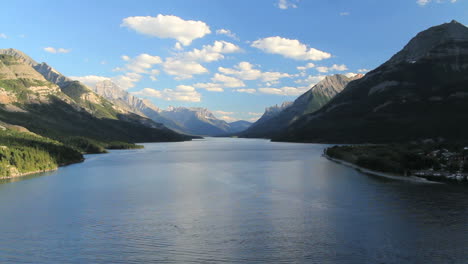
[233, 57]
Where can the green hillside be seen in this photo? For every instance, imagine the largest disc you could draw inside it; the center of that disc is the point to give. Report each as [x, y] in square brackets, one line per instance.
[24, 152]
[69, 112]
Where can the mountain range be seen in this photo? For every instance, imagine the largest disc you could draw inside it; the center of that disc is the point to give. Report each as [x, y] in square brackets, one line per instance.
[419, 93]
[39, 98]
[277, 118]
[201, 121]
[125, 101]
[193, 121]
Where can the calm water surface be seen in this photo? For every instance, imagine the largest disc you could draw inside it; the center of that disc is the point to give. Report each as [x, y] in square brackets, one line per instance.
[228, 201]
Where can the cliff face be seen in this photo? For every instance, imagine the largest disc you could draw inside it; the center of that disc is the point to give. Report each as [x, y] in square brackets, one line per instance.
[51, 74]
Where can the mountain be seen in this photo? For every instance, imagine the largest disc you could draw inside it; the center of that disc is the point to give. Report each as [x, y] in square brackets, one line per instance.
[194, 121]
[197, 121]
[24, 152]
[79, 92]
[277, 118]
[420, 93]
[239, 126]
[129, 103]
[264, 125]
[47, 103]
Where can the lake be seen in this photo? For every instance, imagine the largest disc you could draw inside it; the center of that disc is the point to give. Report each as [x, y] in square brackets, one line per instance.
[228, 201]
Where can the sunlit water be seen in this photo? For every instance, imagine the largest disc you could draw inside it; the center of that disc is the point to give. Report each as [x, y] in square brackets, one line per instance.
[231, 201]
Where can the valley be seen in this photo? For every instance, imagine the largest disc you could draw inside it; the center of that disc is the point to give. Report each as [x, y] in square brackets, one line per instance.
[273, 131]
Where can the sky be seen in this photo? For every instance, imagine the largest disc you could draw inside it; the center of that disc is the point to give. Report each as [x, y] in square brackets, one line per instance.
[233, 57]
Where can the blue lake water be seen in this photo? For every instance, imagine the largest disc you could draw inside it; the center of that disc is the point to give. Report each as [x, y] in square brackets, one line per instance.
[228, 201]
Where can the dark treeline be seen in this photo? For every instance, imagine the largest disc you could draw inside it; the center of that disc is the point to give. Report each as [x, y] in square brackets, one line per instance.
[405, 158]
[23, 152]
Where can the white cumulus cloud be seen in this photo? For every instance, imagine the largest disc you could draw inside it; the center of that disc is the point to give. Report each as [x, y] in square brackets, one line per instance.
[168, 26]
[334, 67]
[311, 80]
[225, 115]
[246, 71]
[56, 50]
[184, 65]
[183, 93]
[210, 53]
[212, 87]
[124, 81]
[305, 67]
[141, 63]
[227, 81]
[287, 90]
[135, 68]
[285, 4]
[89, 80]
[289, 48]
[183, 69]
[246, 90]
[425, 2]
[227, 32]
[127, 80]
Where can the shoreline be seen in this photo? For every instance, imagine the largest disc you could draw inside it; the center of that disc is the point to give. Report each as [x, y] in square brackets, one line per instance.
[27, 174]
[40, 171]
[414, 179]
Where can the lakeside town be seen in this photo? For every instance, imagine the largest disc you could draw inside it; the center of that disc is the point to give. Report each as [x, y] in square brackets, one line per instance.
[444, 162]
[449, 165]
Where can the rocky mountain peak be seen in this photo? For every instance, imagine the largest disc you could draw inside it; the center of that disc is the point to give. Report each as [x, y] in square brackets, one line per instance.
[197, 111]
[51, 74]
[272, 110]
[427, 40]
[358, 76]
[14, 66]
[332, 84]
[110, 90]
[19, 55]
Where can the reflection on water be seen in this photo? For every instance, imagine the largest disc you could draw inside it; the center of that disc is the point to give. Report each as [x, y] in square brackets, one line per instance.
[228, 200]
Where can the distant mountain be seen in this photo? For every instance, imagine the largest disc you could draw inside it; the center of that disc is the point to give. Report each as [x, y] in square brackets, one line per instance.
[264, 125]
[193, 121]
[197, 121]
[277, 118]
[420, 93]
[202, 122]
[47, 103]
[239, 126]
[129, 103]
